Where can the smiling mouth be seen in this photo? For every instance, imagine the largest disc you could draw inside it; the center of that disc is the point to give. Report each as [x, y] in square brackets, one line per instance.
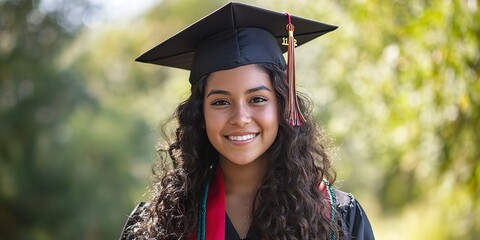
[242, 137]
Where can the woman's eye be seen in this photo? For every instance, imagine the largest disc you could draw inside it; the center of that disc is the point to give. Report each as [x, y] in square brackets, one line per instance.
[220, 102]
[258, 99]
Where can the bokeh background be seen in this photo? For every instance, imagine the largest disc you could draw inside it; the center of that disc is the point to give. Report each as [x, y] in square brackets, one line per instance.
[396, 88]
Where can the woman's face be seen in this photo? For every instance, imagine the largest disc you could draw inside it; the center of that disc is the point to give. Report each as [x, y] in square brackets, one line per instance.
[241, 113]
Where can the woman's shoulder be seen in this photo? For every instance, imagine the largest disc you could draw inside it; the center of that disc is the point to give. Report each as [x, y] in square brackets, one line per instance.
[344, 201]
[354, 222]
[134, 217]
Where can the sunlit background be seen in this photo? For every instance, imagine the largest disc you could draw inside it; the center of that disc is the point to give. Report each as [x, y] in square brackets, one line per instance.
[396, 88]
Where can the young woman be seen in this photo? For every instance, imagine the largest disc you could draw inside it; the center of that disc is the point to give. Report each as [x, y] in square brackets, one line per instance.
[245, 162]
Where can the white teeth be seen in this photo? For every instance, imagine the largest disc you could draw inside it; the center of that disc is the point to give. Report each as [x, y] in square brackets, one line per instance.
[242, 138]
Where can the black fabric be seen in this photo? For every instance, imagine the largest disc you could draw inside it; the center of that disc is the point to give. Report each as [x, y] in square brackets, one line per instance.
[353, 221]
[235, 47]
[232, 234]
[218, 37]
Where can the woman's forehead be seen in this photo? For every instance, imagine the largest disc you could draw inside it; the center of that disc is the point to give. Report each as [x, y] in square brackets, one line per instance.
[239, 79]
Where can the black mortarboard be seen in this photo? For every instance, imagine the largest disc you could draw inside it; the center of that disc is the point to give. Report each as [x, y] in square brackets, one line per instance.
[234, 35]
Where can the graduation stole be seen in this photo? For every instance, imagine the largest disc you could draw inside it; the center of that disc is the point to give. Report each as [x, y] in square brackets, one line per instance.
[329, 193]
[211, 212]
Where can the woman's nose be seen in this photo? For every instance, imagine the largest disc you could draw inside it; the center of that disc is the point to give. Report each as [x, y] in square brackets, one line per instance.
[240, 115]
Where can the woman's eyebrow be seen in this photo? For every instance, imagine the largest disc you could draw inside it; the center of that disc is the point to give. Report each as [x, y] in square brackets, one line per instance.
[223, 92]
[251, 90]
[262, 87]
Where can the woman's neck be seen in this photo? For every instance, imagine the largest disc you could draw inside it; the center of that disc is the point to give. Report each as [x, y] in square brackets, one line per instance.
[242, 179]
[241, 184]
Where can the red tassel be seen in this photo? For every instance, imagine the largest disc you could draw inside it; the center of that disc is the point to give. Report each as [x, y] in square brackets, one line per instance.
[295, 117]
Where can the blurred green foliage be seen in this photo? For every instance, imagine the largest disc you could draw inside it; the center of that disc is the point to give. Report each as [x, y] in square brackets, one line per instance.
[396, 87]
[63, 153]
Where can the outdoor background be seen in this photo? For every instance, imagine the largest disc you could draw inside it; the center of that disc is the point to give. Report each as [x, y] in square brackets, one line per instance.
[396, 88]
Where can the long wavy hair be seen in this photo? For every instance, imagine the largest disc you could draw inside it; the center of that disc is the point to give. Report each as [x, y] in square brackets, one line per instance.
[297, 161]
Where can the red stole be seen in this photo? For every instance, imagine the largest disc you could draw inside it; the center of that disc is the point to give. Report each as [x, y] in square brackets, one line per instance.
[215, 219]
[323, 188]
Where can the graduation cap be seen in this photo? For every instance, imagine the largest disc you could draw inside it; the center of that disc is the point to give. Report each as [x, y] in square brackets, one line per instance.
[238, 34]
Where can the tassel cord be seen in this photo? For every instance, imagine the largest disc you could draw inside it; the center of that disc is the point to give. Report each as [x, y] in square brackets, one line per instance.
[296, 117]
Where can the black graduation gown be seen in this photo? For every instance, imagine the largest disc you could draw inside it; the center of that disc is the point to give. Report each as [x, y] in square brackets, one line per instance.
[354, 221]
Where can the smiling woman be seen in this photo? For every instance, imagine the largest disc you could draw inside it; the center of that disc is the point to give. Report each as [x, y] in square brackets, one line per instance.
[241, 113]
[247, 160]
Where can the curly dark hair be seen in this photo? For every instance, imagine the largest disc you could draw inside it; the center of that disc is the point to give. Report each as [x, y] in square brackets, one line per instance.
[297, 161]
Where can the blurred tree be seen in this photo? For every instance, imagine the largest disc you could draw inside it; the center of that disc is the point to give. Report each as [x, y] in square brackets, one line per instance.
[406, 106]
[397, 87]
[63, 171]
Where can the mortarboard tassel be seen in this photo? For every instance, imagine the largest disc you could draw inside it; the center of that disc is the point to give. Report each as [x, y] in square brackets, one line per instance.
[295, 117]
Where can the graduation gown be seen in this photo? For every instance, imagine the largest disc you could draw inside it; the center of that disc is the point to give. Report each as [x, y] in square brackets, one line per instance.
[353, 219]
